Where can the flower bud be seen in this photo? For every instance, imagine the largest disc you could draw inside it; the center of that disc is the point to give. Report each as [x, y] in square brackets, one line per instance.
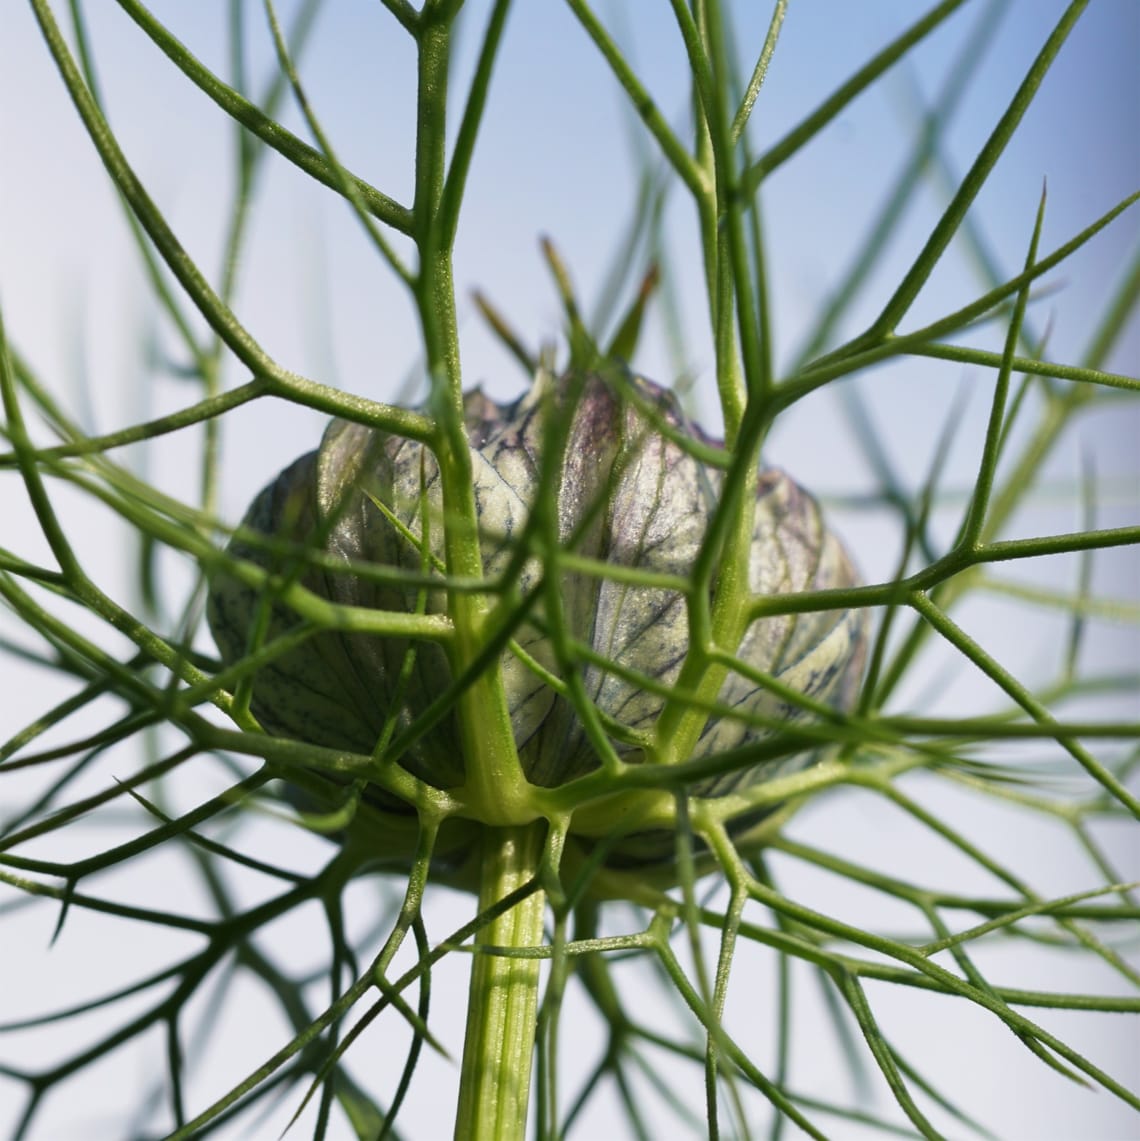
[624, 491]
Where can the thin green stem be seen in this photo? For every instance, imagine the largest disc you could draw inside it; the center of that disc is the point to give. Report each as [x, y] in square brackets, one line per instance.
[680, 159]
[760, 71]
[975, 519]
[220, 317]
[1077, 373]
[456, 181]
[975, 179]
[838, 101]
[271, 132]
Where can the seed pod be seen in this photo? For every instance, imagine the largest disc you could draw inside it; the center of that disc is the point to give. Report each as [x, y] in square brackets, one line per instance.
[626, 491]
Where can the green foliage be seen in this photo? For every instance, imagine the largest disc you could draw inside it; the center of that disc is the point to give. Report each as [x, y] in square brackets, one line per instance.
[562, 924]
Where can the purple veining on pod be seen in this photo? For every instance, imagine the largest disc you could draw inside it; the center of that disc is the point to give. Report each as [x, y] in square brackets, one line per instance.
[626, 494]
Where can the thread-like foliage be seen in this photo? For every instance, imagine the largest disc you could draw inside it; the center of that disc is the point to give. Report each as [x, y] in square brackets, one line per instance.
[572, 655]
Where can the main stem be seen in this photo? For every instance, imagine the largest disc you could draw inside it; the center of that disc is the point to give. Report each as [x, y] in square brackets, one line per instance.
[502, 1014]
[495, 786]
[502, 1006]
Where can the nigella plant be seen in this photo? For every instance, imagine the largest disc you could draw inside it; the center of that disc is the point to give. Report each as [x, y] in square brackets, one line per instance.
[556, 700]
[619, 474]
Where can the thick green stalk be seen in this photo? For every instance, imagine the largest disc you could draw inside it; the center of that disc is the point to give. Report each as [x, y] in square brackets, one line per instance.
[495, 786]
[502, 1005]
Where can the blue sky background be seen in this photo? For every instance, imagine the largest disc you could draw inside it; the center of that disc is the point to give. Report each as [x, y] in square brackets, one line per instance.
[554, 158]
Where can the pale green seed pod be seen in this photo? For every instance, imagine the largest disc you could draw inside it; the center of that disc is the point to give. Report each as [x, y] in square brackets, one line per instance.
[625, 493]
